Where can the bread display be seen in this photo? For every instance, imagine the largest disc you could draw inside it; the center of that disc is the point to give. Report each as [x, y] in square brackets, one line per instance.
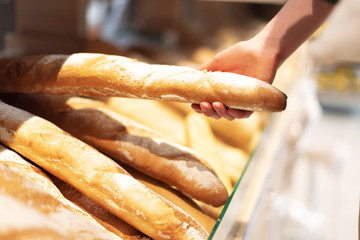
[95, 175]
[129, 142]
[111, 167]
[133, 167]
[110, 75]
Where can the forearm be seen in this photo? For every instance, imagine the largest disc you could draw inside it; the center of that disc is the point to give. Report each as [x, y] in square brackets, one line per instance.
[294, 23]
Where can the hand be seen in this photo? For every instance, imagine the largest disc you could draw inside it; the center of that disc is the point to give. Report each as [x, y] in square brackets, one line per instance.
[218, 110]
[246, 58]
[261, 56]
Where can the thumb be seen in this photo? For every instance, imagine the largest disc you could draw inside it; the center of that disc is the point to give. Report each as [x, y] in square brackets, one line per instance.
[210, 65]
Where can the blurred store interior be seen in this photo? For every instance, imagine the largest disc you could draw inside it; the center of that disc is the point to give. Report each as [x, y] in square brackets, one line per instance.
[312, 191]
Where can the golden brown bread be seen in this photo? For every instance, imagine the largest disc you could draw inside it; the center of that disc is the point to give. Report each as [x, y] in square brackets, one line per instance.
[27, 170]
[128, 142]
[114, 224]
[153, 114]
[202, 140]
[109, 75]
[28, 210]
[212, 211]
[234, 160]
[104, 217]
[95, 175]
[39, 233]
[176, 197]
[238, 133]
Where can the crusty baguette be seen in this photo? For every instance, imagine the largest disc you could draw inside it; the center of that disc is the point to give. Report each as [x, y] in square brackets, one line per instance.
[109, 75]
[106, 218]
[202, 140]
[25, 169]
[29, 212]
[95, 175]
[212, 211]
[152, 114]
[114, 224]
[234, 160]
[128, 142]
[84, 205]
[237, 133]
[16, 163]
[176, 197]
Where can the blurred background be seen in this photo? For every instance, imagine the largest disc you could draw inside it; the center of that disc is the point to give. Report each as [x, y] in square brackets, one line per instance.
[310, 190]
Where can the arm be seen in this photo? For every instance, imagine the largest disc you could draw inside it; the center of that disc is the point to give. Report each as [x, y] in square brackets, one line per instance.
[262, 55]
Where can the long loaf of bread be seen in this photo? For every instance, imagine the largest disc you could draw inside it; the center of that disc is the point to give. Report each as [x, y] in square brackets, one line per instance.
[176, 197]
[202, 140]
[107, 219]
[109, 75]
[95, 175]
[69, 196]
[127, 141]
[153, 114]
[30, 212]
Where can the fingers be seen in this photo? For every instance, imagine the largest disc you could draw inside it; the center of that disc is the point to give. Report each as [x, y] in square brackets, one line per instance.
[218, 110]
[222, 111]
[196, 108]
[208, 110]
[239, 113]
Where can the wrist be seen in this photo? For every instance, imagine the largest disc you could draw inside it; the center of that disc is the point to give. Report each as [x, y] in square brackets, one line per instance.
[269, 49]
[291, 27]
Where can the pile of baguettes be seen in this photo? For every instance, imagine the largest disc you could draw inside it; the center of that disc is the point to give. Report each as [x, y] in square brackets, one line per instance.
[75, 167]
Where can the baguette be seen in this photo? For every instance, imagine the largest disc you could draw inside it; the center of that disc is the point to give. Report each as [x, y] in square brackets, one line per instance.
[29, 212]
[176, 197]
[202, 140]
[104, 217]
[95, 175]
[68, 195]
[108, 75]
[234, 159]
[237, 133]
[125, 140]
[123, 230]
[153, 114]
[27, 170]
[212, 211]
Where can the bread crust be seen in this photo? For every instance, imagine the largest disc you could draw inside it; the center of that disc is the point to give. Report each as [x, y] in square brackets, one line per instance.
[108, 75]
[128, 142]
[28, 210]
[95, 175]
[71, 198]
[176, 197]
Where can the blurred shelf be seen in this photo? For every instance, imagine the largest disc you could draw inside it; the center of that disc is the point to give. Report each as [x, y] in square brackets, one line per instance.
[346, 101]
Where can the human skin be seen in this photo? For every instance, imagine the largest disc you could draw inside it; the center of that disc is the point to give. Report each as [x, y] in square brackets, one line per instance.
[262, 55]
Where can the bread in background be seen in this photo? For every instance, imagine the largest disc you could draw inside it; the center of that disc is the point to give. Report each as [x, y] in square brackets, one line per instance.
[202, 140]
[152, 114]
